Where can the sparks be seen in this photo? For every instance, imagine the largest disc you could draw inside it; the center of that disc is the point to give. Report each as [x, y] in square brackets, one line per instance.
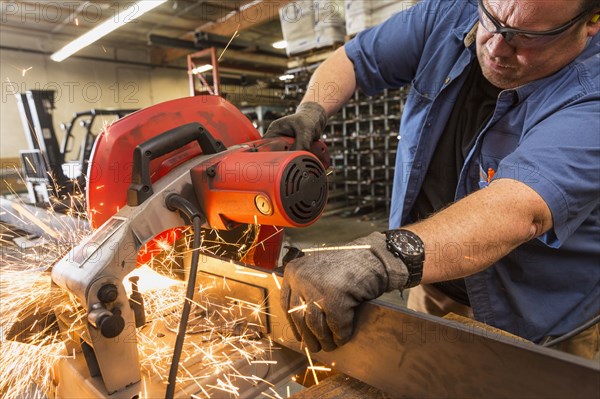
[235, 34]
[312, 366]
[276, 281]
[247, 273]
[319, 368]
[297, 308]
[224, 338]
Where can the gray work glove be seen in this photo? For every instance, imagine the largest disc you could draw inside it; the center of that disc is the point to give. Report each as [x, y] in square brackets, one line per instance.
[332, 284]
[306, 125]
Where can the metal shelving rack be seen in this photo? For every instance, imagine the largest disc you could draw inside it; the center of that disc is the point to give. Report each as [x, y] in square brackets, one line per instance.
[261, 116]
[362, 139]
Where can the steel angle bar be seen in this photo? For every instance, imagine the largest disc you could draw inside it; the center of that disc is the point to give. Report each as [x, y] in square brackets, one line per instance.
[410, 354]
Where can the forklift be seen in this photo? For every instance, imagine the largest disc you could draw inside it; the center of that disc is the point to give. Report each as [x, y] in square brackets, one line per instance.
[53, 175]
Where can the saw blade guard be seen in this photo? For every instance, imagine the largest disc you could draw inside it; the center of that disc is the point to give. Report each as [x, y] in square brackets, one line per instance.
[110, 167]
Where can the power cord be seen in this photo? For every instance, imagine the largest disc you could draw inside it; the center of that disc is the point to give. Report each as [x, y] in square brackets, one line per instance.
[191, 215]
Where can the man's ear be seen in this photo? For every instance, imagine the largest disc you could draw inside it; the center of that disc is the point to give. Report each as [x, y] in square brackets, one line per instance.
[593, 25]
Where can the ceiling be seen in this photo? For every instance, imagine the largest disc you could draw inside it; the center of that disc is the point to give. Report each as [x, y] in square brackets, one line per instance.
[250, 51]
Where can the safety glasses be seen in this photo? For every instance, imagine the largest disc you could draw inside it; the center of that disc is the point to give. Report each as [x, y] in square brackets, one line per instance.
[523, 38]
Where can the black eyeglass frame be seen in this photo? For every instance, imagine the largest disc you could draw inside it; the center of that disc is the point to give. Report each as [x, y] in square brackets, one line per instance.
[509, 33]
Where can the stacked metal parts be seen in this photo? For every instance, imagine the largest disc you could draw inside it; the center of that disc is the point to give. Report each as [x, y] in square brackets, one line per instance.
[362, 139]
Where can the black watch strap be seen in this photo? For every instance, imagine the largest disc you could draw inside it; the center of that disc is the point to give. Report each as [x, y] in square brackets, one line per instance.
[415, 274]
[407, 246]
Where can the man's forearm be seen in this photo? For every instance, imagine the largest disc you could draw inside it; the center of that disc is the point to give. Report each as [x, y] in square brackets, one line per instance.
[333, 83]
[478, 230]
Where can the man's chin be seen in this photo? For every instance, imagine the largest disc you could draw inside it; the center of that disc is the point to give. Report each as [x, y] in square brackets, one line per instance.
[500, 75]
[502, 79]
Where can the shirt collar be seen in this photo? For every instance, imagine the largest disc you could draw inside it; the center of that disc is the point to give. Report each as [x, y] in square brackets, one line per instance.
[471, 36]
[467, 32]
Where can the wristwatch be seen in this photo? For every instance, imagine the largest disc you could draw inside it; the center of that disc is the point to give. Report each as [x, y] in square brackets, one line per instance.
[407, 246]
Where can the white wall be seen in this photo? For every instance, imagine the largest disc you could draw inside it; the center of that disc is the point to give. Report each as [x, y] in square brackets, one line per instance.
[80, 84]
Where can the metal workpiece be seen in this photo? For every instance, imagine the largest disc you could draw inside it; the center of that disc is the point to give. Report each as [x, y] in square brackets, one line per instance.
[413, 355]
[39, 222]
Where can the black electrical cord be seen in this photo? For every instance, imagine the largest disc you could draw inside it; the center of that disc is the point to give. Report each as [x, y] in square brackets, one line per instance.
[176, 202]
[572, 333]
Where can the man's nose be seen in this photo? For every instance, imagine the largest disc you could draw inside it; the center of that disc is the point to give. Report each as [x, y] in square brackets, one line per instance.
[498, 47]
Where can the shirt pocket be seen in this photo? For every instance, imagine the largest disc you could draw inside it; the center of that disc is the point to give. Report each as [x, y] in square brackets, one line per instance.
[495, 146]
[427, 89]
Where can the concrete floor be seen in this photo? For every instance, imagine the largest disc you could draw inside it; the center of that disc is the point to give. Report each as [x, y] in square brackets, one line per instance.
[334, 229]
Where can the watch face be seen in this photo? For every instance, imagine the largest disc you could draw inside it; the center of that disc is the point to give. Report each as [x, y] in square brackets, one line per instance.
[409, 245]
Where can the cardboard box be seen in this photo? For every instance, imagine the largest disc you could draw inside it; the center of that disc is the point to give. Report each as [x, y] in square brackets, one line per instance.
[312, 24]
[330, 26]
[297, 26]
[357, 23]
[363, 14]
[382, 14]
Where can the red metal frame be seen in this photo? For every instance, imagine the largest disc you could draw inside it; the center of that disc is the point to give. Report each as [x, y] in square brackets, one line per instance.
[191, 62]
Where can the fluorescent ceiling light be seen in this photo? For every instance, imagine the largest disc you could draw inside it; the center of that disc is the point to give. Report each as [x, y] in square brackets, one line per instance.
[127, 15]
[286, 77]
[200, 69]
[280, 44]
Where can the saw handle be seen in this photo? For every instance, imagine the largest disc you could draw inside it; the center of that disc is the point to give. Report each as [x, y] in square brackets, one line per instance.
[162, 144]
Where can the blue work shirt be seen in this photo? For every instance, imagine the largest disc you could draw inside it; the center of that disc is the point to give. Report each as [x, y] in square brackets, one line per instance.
[545, 134]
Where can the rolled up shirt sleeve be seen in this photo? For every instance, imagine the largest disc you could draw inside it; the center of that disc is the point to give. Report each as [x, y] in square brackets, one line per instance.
[559, 158]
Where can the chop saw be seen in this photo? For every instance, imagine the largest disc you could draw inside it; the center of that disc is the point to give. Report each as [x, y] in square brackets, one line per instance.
[199, 162]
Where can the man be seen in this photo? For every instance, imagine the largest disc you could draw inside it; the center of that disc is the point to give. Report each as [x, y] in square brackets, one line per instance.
[497, 175]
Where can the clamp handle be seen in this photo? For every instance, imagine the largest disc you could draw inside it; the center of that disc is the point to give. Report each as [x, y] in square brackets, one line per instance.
[110, 324]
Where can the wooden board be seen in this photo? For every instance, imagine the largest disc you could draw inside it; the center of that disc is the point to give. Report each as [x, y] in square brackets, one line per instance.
[341, 386]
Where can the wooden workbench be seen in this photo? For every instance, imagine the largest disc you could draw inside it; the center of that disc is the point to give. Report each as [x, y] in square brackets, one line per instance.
[340, 386]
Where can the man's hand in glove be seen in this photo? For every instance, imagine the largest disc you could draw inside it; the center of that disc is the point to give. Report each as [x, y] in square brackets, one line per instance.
[332, 285]
[306, 125]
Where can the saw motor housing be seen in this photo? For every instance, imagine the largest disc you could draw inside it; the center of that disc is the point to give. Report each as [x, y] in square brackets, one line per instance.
[260, 185]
